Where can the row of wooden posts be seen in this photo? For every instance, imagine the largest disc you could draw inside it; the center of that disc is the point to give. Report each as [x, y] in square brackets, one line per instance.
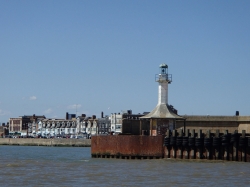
[206, 145]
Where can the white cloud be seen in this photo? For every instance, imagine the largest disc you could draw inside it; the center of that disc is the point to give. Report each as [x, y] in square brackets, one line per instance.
[33, 98]
[48, 111]
[74, 106]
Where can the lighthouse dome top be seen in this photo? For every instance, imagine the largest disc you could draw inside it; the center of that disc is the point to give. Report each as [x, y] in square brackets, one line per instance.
[163, 66]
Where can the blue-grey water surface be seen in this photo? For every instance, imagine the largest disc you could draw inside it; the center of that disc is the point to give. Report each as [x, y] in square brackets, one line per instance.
[73, 166]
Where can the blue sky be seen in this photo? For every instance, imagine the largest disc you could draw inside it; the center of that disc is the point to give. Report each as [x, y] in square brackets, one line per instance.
[103, 56]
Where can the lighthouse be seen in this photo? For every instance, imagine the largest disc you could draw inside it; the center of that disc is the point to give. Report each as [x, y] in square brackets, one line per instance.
[163, 78]
[163, 116]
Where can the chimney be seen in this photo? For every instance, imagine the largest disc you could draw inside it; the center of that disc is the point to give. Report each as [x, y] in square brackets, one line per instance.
[102, 115]
[67, 115]
[93, 117]
[83, 115]
[237, 113]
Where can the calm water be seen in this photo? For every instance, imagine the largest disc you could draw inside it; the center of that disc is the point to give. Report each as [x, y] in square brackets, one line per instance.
[60, 166]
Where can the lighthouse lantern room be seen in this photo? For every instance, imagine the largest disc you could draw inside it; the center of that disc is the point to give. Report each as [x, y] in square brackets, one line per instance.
[163, 76]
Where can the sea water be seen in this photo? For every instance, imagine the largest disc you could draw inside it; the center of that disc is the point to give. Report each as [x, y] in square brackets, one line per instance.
[73, 166]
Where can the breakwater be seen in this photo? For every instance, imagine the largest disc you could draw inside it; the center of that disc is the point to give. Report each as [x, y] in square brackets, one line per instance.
[46, 142]
[188, 144]
[206, 145]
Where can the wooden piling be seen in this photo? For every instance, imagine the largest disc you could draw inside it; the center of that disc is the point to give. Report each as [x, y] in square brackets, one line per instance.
[185, 153]
[225, 147]
[216, 146]
[179, 147]
[198, 150]
[192, 148]
[235, 146]
[173, 147]
[208, 153]
[248, 150]
[167, 148]
[242, 148]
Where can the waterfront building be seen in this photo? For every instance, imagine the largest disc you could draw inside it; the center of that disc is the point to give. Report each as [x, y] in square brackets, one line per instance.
[91, 127]
[24, 125]
[116, 123]
[125, 122]
[4, 129]
[56, 127]
[81, 125]
[70, 116]
[212, 123]
[131, 123]
[103, 125]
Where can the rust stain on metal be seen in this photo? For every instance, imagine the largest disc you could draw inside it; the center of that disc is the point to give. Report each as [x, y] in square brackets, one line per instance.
[127, 145]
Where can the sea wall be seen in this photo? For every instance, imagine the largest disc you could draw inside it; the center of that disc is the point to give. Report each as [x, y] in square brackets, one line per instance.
[46, 142]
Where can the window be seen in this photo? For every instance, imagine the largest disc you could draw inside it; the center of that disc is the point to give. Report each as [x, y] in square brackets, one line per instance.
[118, 126]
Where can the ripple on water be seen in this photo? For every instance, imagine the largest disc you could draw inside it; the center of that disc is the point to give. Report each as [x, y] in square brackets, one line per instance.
[53, 166]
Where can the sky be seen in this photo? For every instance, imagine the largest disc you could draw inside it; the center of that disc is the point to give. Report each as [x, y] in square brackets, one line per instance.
[85, 57]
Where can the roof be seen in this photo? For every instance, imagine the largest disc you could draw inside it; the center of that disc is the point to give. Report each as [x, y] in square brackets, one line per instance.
[162, 111]
[216, 118]
[31, 116]
[163, 66]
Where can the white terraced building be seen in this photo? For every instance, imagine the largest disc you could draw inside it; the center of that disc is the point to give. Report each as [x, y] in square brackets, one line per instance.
[116, 123]
[54, 127]
[61, 127]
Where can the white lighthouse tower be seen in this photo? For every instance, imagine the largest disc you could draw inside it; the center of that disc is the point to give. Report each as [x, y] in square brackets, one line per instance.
[164, 116]
[164, 79]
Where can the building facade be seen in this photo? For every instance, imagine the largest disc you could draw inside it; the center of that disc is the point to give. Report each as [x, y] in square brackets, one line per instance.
[24, 125]
[104, 125]
[56, 127]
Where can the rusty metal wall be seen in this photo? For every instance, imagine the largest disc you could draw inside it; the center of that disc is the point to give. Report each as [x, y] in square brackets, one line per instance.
[128, 145]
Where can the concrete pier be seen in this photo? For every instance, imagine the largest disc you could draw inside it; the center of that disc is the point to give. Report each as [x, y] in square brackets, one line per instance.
[46, 142]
